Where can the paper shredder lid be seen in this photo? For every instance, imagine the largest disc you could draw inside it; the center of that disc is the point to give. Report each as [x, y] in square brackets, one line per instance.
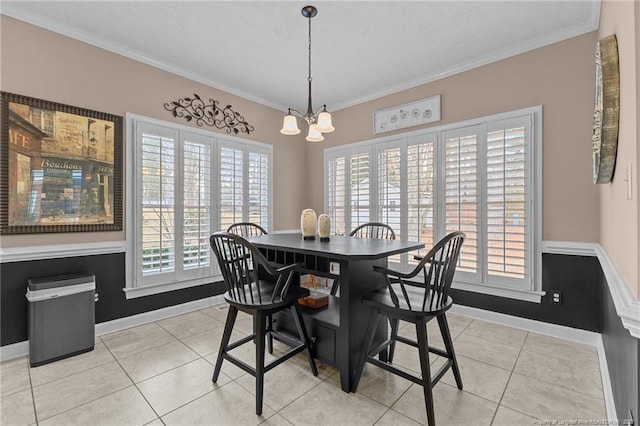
[35, 284]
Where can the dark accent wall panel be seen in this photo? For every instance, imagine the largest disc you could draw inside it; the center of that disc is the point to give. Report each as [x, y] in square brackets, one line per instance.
[577, 277]
[623, 358]
[110, 280]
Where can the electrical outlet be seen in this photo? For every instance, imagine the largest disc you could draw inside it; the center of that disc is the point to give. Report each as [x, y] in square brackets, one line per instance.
[556, 297]
[96, 297]
[334, 268]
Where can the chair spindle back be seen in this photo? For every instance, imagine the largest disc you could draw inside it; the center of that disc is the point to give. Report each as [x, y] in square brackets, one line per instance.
[438, 267]
[246, 229]
[239, 260]
[374, 230]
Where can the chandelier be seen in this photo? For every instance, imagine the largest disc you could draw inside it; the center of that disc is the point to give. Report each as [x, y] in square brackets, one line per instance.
[319, 122]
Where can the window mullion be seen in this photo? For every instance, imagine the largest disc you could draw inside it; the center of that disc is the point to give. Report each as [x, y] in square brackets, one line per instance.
[403, 207]
[482, 229]
[178, 204]
[374, 195]
[245, 183]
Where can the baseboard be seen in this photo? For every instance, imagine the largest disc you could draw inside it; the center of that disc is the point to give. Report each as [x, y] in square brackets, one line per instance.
[22, 348]
[590, 338]
[609, 402]
[14, 351]
[157, 315]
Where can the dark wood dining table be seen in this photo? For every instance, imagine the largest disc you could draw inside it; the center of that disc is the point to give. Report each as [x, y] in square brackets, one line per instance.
[337, 329]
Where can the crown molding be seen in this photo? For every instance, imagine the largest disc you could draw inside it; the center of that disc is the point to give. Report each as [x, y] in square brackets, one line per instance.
[502, 54]
[15, 12]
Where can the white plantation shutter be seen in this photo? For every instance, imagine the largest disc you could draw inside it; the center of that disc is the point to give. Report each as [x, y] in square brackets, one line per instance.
[481, 177]
[231, 186]
[421, 212]
[461, 192]
[183, 184]
[157, 189]
[390, 188]
[360, 190]
[258, 182]
[197, 202]
[507, 194]
[337, 195]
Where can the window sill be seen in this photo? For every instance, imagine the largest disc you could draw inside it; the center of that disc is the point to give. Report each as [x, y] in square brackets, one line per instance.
[524, 295]
[151, 289]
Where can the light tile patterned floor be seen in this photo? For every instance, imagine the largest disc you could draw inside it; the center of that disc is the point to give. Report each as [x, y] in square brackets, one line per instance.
[160, 373]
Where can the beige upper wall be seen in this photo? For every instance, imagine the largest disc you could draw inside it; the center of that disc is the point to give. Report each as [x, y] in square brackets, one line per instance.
[560, 77]
[42, 64]
[619, 215]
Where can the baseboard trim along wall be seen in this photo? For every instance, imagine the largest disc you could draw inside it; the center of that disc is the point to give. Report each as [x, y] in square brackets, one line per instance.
[627, 306]
[607, 390]
[22, 348]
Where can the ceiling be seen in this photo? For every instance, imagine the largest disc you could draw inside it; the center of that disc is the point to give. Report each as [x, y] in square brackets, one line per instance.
[360, 50]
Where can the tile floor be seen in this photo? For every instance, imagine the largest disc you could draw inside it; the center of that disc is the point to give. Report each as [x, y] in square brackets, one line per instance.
[160, 373]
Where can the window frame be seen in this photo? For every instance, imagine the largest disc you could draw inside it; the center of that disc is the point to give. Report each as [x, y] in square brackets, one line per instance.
[135, 284]
[530, 290]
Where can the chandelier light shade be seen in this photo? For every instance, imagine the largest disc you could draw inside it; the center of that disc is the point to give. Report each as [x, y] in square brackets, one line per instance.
[318, 122]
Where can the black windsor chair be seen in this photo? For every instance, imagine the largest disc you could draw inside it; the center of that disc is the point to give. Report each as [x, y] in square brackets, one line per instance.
[239, 262]
[368, 230]
[250, 229]
[417, 303]
[246, 229]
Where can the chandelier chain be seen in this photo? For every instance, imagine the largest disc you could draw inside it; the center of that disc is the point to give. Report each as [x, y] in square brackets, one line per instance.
[310, 48]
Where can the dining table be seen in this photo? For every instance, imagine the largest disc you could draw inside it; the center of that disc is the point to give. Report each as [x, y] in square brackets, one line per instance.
[337, 330]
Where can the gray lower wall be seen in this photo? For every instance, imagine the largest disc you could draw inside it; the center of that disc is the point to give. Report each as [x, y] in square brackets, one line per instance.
[623, 362]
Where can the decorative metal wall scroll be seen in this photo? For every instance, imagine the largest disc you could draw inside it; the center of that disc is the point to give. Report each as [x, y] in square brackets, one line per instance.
[412, 114]
[209, 113]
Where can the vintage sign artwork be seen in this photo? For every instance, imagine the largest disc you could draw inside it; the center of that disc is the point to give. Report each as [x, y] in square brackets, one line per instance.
[61, 168]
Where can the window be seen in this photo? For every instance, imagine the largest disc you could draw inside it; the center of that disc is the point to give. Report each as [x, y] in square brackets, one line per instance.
[43, 120]
[185, 185]
[481, 177]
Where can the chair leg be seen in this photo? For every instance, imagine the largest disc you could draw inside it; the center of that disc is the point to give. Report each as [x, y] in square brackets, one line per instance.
[366, 345]
[260, 323]
[395, 324]
[269, 334]
[226, 335]
[448, 344]
[302, 331]
[423, 348]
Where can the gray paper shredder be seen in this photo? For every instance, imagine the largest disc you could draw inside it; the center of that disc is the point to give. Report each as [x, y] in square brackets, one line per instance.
[61, 316]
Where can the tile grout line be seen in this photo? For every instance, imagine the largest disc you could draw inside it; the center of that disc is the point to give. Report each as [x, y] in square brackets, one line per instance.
[133, 383]
[504, 391]
[33, 395]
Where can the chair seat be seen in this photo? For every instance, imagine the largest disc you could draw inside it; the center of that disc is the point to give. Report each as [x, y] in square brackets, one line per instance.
[263, 300]
[383, 300]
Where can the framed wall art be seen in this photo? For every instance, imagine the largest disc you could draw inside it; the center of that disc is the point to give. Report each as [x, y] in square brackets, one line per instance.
[61, 168]
[606, 111]
[412, 114]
